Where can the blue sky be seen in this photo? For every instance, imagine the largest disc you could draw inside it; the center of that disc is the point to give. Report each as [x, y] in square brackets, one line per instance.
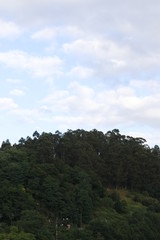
[69, 64]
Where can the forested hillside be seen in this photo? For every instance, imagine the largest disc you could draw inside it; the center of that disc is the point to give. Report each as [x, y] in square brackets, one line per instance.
[79, 185]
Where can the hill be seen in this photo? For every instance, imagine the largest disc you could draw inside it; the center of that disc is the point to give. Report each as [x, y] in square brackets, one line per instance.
[79, 185]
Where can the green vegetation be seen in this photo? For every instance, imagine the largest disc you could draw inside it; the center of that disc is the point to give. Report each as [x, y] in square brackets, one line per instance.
[80, 185]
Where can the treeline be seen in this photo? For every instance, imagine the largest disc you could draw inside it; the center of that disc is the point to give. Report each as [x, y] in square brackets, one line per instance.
[54, 184]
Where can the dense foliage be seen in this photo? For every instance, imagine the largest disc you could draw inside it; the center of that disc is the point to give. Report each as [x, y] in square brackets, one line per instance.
[69, 186]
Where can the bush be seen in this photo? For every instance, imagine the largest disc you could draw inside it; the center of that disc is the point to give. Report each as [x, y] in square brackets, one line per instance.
[120, 206]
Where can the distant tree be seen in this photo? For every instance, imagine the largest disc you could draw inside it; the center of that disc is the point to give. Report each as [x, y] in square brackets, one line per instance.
[156, 151]
[22, 141]
[6, 144]
[36, 135]
[44, 148]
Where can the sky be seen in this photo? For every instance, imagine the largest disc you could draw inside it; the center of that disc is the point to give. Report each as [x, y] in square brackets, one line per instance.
[80, 64]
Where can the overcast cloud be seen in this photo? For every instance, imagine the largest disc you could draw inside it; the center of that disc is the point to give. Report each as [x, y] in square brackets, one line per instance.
[68, 64]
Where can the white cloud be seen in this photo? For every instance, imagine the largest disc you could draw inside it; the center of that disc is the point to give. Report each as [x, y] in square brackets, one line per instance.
[120, 106]
[73, 31]
[25, 115]
[7, 104]
[88, 107]
[13, 80]
[110, 56]
[81, 90]
[101, 51]
[17, 92]
[51, 33]
[9, 29]
[38, 66]
[44, 34]
[132, 18]
[59, 101]
[149, 85]
[81, 72]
